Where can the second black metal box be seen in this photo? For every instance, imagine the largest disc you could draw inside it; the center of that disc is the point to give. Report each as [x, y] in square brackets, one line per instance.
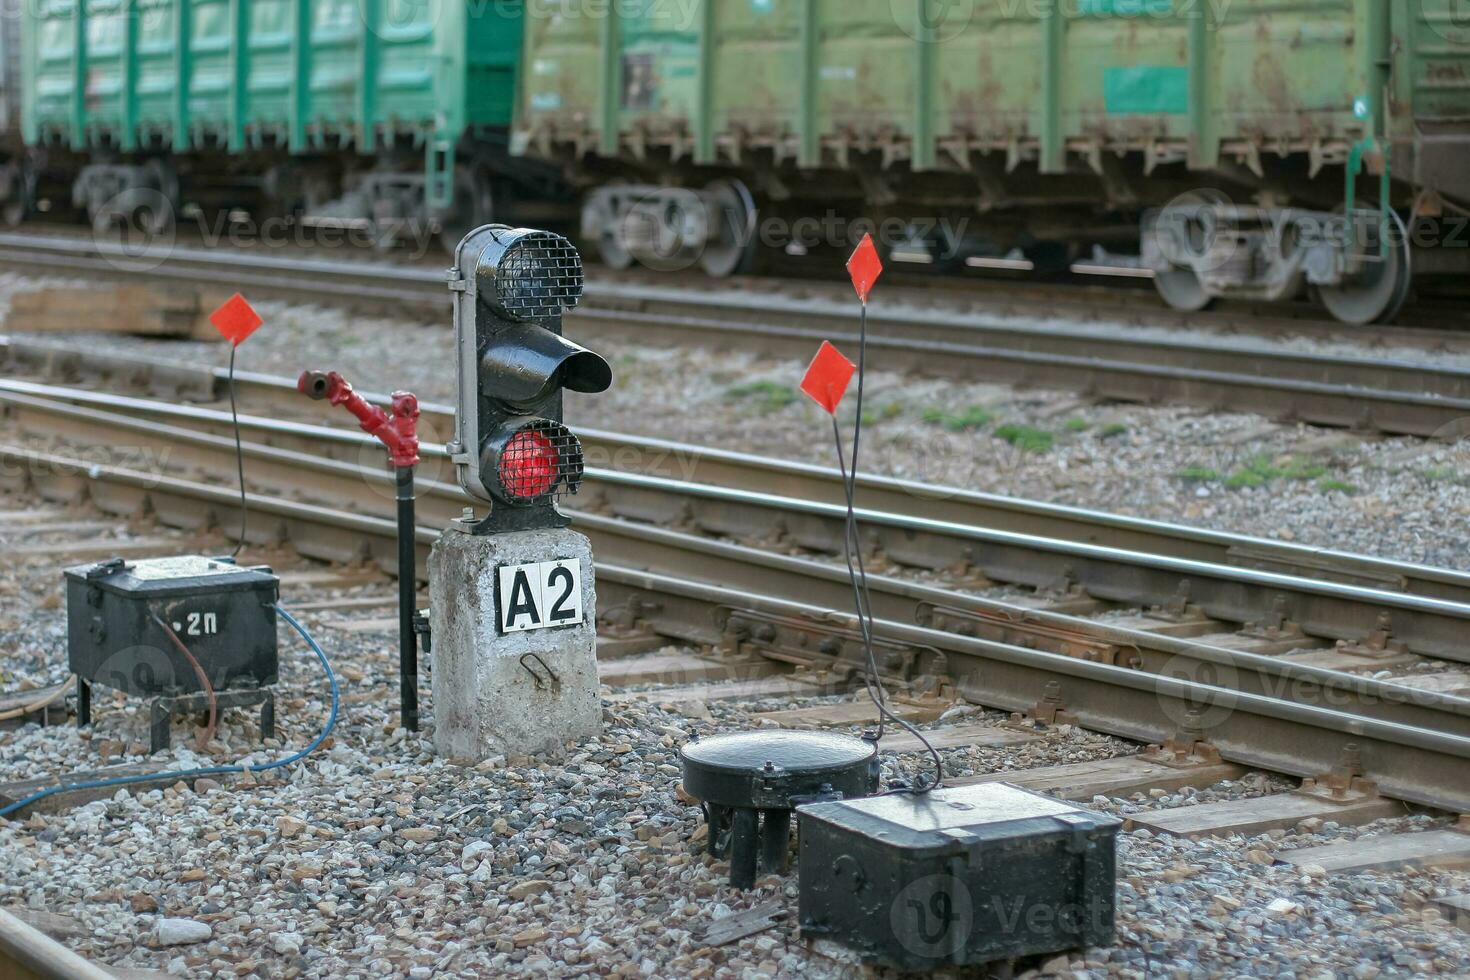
[960, 876]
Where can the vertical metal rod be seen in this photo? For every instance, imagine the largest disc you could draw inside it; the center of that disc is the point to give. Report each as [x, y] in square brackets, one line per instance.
[408, 648]
[744, 847]
[775, 840]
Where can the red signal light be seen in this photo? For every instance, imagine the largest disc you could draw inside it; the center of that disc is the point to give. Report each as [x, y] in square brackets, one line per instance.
[530, 465]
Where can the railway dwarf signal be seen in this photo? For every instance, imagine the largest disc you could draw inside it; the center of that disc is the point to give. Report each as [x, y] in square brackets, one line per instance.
[511, 449]
[512, 597]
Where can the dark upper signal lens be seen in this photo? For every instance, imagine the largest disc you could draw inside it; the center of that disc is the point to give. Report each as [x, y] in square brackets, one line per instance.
[538, 276]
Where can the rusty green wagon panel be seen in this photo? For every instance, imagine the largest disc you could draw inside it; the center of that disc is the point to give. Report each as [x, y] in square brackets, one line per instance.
[813, 81]
[304, 74]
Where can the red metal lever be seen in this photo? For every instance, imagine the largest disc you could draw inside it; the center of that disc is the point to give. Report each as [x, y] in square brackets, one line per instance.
[398, 431]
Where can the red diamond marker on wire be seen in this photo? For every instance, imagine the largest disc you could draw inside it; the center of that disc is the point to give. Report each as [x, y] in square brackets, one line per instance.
[236, 320]
[827, 377]
[865, 267]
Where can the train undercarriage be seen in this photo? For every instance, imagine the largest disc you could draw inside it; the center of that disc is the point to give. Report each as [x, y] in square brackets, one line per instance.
[402, 196]
[1247, 238]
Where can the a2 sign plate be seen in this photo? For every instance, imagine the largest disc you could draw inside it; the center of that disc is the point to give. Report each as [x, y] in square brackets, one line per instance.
[540, 595]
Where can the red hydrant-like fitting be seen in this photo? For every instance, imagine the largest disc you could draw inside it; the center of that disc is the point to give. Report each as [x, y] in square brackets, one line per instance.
[399, 431]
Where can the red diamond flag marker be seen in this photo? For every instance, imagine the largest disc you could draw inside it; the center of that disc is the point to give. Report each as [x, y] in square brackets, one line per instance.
[236, 319]
[826, 378]
[865, 267]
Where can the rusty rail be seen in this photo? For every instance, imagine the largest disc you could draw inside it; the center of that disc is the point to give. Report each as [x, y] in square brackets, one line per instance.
[1410, 762]
[26, 953]
[651, 575]
[1370, 393]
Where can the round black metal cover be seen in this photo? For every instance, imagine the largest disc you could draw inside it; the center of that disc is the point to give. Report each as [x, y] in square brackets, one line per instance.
[776, 769]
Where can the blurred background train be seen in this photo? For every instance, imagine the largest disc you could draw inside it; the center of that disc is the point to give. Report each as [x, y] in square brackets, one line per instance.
[1227, 148]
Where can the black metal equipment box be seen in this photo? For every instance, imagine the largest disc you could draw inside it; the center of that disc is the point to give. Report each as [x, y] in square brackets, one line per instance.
[960, 876]
[222, 613]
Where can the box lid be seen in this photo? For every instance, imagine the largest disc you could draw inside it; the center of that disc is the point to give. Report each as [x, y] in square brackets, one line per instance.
[953, 814]
[174, 574]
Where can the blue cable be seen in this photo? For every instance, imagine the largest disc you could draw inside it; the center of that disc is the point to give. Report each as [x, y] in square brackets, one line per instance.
[215, 770]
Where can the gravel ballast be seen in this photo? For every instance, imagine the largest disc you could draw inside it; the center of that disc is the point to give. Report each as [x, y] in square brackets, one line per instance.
[373, 858]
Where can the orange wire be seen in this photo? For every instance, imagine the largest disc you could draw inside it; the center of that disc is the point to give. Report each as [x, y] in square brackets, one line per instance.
[203, 681]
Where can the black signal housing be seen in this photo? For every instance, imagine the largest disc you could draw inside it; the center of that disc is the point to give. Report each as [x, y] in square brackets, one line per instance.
[511, 448]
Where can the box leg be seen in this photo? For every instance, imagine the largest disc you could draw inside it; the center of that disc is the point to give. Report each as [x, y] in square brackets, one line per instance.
[84, 703]
[163, 714]
[268, 716]
[719, 822]
[743, 846]
[775, 840]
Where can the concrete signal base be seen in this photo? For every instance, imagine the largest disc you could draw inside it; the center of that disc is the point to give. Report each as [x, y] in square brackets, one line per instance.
[502, 693]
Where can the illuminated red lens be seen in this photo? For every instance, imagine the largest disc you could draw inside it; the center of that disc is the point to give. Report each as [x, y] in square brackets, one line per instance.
[528, 467]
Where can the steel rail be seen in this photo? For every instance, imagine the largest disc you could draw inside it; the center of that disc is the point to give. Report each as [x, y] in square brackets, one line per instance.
[1409, 762]
[1373, 393]
[26, 953]
[278, 398]
[363, 489]
[1428, 626]
[1000, 298]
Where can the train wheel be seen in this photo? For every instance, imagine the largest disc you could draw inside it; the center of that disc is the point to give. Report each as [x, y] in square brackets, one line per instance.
[732, 243]
[598, 213]
[1378, 294]
[1180, 288]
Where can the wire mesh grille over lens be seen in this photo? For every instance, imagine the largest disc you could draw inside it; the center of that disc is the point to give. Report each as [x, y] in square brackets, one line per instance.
[539, 276]
[541, 459]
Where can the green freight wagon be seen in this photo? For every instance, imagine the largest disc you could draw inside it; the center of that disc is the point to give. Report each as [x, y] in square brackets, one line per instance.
[368, 112]
[1244, 147]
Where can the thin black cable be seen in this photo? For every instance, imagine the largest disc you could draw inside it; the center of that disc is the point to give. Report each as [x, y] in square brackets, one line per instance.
[860, 600]
[864, 603]
[852, 545]
[239, 459]
[851, 482]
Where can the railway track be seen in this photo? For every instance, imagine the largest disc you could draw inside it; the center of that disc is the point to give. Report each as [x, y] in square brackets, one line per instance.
[651, 690]
[1092, 293]
[1132, 644]
[1374, 394]
[272, 398]
[26, 953]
